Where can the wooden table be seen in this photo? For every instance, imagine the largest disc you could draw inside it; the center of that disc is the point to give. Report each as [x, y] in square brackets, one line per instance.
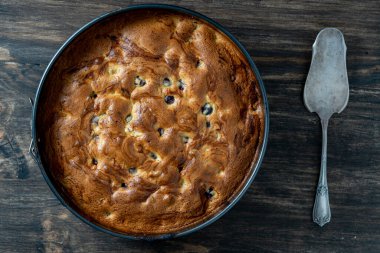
[275, 214]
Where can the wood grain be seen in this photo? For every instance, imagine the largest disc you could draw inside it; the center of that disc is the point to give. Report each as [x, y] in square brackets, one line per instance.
[275, 214]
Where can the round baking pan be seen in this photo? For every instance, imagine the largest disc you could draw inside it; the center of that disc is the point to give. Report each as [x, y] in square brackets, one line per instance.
[35, 143]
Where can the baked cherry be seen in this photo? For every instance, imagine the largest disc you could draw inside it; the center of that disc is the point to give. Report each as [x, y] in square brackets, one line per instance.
[207, 109]
[139, 81]
[169, 100]
[95, 120]
[93, 94]
[167, 82]
[198, 64]
[132, 170]
[153, 155]
[181, 84]
[128, 118]
[185, 139]
[210, 192]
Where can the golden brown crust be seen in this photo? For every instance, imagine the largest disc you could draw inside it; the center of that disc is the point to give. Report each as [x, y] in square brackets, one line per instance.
[152, 123]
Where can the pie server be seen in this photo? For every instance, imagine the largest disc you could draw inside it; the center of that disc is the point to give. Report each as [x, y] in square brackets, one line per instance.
[326, 92]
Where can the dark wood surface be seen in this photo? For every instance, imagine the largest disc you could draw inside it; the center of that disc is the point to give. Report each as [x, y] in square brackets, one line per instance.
[275, 214]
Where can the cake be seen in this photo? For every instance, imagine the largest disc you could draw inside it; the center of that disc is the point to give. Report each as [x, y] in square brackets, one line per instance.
[151, 122]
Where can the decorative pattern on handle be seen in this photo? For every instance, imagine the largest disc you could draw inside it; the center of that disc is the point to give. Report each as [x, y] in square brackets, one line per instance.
[322, 190]
[322, 220]
[321, 211]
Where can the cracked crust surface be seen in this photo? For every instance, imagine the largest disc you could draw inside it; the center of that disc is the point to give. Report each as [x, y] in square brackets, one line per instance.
[151, 122]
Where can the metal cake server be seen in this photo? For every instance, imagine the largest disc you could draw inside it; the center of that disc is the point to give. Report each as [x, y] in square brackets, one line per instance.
[326, 92]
